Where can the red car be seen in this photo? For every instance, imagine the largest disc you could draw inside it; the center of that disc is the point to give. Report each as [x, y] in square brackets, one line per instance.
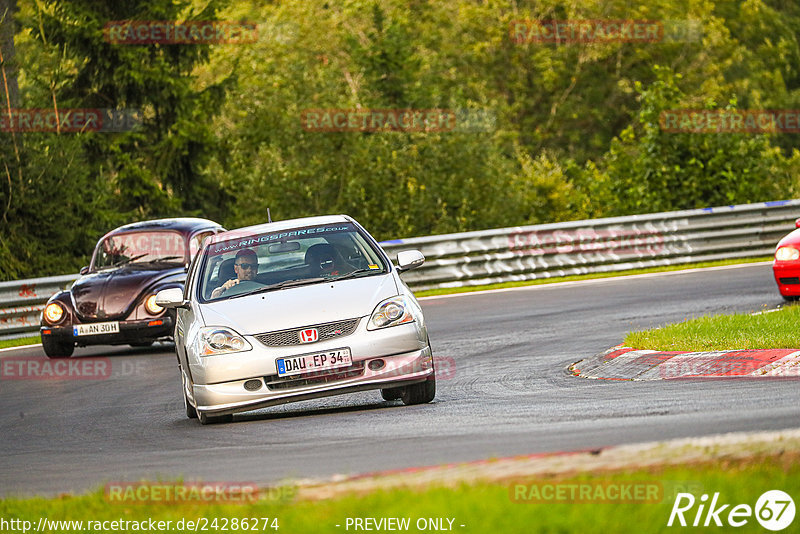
[113, 303]
[786, 266]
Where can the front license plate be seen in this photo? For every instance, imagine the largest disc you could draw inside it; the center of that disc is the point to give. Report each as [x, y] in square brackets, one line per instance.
[317, 361]
[95, 328]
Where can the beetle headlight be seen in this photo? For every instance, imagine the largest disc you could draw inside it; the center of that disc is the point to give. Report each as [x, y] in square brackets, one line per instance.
[391, 312]
[53, 313]
[787, 254]
[151, 306]
[215, 340]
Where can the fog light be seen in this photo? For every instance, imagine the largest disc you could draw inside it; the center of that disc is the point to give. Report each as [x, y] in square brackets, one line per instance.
[252, 385]
[376, 365]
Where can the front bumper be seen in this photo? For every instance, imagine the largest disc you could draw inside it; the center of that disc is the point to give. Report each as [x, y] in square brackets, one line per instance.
[231, 397]
[136, 331]
[787, 276]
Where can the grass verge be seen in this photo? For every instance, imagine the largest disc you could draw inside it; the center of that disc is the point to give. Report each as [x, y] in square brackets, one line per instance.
[771, 330]
[20, 341]
[507, 506]
[666, 268]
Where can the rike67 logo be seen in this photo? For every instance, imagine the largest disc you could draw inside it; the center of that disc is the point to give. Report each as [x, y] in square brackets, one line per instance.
[774, 510]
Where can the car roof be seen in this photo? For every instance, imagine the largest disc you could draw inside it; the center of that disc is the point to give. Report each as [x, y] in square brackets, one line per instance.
[277, 226]
[180, 224]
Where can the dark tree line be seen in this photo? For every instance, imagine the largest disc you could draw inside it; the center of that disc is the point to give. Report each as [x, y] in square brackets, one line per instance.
[574, 130]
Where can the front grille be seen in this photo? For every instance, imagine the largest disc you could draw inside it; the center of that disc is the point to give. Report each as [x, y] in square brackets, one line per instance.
[790, 280]
[327, 331]
[275, 382]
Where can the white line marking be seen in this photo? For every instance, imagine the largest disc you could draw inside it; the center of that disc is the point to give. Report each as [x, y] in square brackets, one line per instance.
[556, 285]
[21, 347]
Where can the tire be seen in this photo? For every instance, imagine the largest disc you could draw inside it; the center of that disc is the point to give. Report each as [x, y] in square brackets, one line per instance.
[57, 349]
[419, 393]
[790, 298]
[390, 394]
[213, 419]
[191, 412]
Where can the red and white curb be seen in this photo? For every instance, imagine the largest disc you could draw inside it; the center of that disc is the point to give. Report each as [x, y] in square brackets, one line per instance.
[626, 363]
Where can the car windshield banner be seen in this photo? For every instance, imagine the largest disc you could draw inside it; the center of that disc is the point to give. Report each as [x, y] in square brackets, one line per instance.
[249, 240]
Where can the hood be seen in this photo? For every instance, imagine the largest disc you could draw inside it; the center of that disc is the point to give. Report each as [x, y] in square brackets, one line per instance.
[112, 294]
[791, 239]
[300, 306]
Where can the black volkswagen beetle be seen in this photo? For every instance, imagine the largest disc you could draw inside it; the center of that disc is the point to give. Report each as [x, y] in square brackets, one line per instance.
[113, 303]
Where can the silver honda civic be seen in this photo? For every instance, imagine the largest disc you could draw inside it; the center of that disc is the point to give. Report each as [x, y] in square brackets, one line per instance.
[296, 310]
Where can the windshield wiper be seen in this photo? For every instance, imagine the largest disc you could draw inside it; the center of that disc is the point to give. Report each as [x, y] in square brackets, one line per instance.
[164, 259]
[294, 282]
[128, 260]
[355, 274]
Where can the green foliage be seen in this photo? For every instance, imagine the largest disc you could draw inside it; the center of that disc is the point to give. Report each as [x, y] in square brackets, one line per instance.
[647, 169]
[575, 131]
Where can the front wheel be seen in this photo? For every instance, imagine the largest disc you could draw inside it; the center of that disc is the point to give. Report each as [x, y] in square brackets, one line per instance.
[57, 349]
[790, 298]
[419, 393]
[191, 413]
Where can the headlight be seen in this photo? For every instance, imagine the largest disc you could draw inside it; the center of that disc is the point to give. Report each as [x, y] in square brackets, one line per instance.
[215, 340]
[787, 254]
[53, 313]
[151, 306]
[391, 312]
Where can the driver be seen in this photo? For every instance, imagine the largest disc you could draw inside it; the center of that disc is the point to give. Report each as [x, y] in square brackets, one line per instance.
[245, 265]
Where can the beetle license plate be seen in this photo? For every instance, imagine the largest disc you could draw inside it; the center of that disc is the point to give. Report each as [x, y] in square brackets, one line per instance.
[93, 329]
[317, 361]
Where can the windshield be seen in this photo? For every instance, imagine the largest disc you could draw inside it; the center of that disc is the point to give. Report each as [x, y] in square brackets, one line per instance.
[140, 248]
[276, 260]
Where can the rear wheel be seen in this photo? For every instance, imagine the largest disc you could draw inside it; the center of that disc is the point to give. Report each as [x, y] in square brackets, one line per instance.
[57, 349]
[419, 393]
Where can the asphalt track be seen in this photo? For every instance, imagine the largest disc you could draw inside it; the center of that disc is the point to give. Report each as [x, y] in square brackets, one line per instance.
[509, 394]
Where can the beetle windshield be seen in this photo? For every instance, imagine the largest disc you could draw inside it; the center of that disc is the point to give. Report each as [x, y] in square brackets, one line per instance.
[138, 248]
[288, 258]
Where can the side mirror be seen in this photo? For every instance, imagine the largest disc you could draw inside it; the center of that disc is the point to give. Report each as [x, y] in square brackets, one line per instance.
[797, 223]
[409, 259]
[85, 270]
[171, 298]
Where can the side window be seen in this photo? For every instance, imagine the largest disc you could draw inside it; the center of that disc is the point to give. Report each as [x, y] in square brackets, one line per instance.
[190, 276]
[196, 242]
